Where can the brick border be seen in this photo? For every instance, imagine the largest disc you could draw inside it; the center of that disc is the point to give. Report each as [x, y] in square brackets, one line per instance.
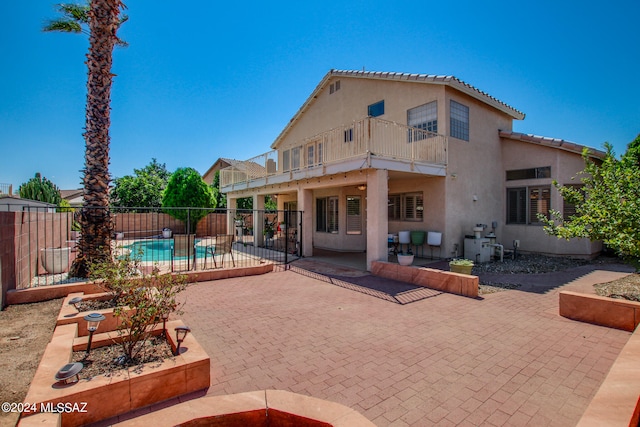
[598, 310]
[446, 281]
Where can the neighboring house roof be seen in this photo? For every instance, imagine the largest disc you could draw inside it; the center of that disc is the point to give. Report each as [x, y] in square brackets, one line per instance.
[221, 163]
[450, 81]
[17, 204]
[71, 194]
[560, 144]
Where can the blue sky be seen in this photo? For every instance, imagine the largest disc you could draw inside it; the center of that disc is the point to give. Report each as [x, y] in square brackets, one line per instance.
[207, 79]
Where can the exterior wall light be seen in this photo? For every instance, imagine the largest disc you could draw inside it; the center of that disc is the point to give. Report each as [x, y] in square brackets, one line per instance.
[181, 334]
[362, 187]
[93, 321]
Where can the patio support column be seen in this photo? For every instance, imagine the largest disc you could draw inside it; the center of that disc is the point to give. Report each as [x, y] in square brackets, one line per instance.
[232, 203]
[305, 204]
[258, 220]
[377, 221]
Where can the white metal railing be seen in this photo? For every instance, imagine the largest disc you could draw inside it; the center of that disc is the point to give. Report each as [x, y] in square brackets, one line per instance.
[6, 189]
[369, 136]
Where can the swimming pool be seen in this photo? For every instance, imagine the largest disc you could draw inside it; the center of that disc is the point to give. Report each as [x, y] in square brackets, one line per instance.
[159, 250]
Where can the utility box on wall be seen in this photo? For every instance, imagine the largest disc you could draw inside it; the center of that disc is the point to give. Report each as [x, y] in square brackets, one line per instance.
[477, 250]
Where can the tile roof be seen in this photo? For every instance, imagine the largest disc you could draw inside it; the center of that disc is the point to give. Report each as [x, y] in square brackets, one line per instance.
[552, 142]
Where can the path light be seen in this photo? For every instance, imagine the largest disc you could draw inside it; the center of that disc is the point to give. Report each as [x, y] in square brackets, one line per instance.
[165, 316]
[181, 334]
[75, 300]
[93, 320]
[69, 371]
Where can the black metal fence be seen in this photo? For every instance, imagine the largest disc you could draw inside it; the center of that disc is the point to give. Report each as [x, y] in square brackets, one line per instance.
[40, 243]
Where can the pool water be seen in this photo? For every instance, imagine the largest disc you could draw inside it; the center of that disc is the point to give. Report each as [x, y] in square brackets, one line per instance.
[159, 250]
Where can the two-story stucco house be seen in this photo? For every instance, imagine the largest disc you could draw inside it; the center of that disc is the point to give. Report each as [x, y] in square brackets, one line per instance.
[370, 154]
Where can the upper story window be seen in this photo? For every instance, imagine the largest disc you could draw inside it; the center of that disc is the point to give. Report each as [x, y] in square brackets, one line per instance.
[459, 115]
[377, 109]
[425, 118]
[531, 173]
[334, 87]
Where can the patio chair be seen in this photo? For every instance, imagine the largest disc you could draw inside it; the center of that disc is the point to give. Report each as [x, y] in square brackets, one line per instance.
[223, 246]
[184, 246]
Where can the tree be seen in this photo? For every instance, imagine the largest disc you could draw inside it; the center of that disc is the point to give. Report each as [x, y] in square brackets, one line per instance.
[95, 217]
[607, 205]
[41, 189]
[75, 19]
[221, 198]
[143, 189]
[186, 189]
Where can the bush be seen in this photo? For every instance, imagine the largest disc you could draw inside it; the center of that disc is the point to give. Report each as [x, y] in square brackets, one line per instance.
[150, 296]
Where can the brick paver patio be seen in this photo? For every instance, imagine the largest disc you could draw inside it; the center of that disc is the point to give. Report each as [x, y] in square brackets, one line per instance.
[506, 359]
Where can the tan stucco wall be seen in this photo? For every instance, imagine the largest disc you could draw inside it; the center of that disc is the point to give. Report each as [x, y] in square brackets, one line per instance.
[351, 101]
[564, 166]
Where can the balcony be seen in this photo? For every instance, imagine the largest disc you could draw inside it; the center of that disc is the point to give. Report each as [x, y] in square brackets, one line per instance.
[367, 143]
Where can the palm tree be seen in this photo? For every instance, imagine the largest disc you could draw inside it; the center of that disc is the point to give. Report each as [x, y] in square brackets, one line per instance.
[75, 19]
[103, 18]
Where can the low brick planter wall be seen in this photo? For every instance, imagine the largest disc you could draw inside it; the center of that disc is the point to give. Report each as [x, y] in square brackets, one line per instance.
[597, 310]
[105, 397]
[49, 292]
[257, 408]
[446, 281]
[616, 401]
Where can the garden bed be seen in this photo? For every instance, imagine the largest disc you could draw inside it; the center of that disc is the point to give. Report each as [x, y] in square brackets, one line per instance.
[107, 396]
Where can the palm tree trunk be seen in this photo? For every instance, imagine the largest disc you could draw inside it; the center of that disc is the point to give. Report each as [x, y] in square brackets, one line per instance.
[95, 218]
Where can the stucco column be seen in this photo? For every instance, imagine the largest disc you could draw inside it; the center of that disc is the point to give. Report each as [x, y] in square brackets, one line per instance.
[377, 224]
[232, 203]
[305, 204]
[258, 220]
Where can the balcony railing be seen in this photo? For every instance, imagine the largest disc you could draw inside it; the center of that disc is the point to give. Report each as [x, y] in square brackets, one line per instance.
[363, 138]
[6, 189]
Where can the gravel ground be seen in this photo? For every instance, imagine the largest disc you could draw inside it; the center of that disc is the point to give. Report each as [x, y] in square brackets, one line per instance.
[533, 264]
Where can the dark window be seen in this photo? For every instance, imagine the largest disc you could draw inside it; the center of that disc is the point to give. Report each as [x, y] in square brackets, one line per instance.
[348, 135]
[377, 109]
[406, 207]
[525, 203]
[531, 173]
[568, 208]
[327, 214]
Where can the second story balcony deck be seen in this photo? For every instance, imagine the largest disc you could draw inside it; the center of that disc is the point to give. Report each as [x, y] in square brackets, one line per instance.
[367, 143]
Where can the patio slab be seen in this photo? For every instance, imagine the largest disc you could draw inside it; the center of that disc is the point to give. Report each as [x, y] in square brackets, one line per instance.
[505, 359]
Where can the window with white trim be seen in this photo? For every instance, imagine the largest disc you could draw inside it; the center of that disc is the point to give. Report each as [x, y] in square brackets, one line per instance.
[459, 115]
[424, 118]
[354, 215]
[286, 159]
[295, 158]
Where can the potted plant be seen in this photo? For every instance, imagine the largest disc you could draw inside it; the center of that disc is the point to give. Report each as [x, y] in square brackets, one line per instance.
[166, 233]
[461, 265]
[405, 259]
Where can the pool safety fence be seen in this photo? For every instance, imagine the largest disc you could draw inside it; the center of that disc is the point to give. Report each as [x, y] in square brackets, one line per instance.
[39, 244]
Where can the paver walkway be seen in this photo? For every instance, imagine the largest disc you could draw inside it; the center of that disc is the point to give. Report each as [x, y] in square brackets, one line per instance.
[506, 359]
